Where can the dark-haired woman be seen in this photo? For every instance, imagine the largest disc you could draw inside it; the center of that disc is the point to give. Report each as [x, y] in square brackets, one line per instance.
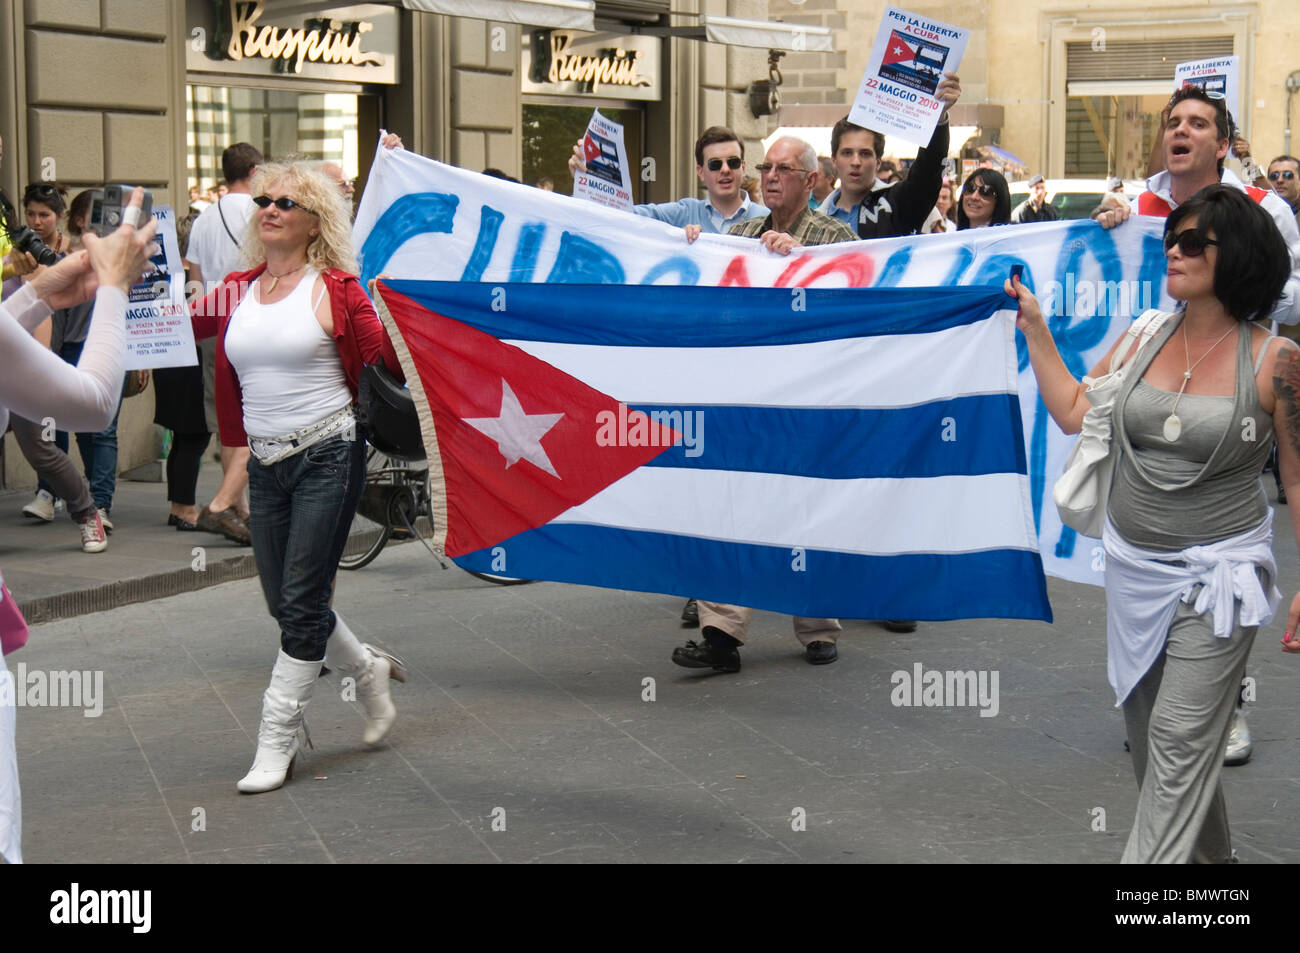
[1188, 540]
[985, 200]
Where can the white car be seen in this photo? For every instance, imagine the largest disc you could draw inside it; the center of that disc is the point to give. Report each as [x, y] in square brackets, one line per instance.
[1075, 198]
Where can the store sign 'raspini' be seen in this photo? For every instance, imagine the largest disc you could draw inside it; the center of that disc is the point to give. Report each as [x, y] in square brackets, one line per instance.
[319, 41]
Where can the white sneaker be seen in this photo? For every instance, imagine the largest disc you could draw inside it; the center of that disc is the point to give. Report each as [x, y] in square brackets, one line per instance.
[1239, 746]
[103, 518]
[41, 508]
[93, 537]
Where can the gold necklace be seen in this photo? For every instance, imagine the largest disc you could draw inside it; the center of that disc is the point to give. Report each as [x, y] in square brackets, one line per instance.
[275, 279]
[1173, 426]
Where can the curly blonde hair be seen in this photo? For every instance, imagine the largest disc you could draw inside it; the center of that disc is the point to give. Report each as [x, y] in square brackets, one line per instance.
[332, 248]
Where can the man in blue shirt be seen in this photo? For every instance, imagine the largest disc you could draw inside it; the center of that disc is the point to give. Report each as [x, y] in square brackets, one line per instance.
[720, 164]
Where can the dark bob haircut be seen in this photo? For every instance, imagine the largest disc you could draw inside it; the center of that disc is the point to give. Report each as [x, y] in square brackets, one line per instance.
[1253, 261]
[1001, 196]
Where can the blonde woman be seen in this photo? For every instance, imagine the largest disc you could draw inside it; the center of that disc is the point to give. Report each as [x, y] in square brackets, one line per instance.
[292, 337]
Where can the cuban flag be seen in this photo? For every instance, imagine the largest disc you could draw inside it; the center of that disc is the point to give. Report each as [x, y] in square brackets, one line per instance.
[899, 51]
[852, 453]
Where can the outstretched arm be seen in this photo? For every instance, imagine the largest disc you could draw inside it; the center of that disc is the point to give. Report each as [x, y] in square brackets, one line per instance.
[1286, 427]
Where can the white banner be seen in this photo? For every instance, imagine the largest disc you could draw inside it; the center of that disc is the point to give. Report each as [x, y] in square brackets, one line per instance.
[422, 219]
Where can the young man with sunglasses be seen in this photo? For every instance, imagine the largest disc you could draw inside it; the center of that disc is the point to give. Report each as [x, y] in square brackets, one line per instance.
[1196, 138]
[875, 207]
[720, 165]
[214, 251]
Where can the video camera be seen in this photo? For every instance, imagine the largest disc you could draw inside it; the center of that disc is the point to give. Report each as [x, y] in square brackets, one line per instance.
[21, 237]
[108, 204]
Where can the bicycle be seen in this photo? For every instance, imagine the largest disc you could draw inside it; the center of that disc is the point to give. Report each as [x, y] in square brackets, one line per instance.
[396, 501]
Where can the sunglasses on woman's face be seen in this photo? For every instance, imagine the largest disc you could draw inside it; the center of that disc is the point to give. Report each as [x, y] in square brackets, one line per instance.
[1190, 242]
[282, 203]
[985, 190]
[733, 163]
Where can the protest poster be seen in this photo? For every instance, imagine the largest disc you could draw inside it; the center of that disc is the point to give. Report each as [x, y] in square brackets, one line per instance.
[158, 331]
[607, 180]
[1216, 75]
[910, 56]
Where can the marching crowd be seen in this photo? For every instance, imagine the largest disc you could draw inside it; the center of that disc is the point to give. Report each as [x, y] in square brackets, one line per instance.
[288, 327]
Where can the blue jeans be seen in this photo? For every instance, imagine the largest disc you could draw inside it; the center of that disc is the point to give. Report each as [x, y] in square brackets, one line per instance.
[300, 512]
[98, 450]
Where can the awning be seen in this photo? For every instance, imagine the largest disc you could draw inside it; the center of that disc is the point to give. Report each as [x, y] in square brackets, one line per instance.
[767, 35]
[557, 14]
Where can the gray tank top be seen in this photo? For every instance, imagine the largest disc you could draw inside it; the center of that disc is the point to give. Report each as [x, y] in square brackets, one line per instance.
[1206, 486]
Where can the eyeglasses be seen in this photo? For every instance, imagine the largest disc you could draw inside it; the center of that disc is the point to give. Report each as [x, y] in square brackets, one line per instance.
[733, 163]
[283, 203]
[1190, 242]
[763, 168]
[1286, 174]
[985, 190]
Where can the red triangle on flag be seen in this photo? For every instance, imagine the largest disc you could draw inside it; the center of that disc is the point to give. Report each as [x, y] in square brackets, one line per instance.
[590, 148]
[898, 50]
[520, 440]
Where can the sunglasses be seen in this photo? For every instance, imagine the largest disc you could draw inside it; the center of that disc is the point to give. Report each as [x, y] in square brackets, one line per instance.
[1190, 242]
[985, 190]
[733, 163]
[1286, 174]
[765, 167]
[282, 203]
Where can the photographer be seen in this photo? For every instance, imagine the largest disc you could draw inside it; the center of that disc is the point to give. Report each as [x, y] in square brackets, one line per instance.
[35, 382]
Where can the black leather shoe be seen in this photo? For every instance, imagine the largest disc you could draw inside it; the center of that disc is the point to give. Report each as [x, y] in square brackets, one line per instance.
[703, 655]
[691, 615]
[821, 653]
[899, 625]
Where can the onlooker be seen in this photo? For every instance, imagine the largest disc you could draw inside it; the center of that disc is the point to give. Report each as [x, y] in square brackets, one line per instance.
[944, 217]
[216, 244]
[1284, 179]
[985, 200]
[825, 182]
[546, 184]
[789, 173]
[1035, 208]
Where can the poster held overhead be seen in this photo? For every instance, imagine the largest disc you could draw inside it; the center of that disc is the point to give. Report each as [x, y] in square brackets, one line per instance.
[158, 329]
[607, 180]
[908, 60]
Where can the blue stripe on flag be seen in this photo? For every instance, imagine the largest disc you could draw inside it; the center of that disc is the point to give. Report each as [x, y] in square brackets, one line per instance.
[673, 316]
[1003, 583]
[966, 436]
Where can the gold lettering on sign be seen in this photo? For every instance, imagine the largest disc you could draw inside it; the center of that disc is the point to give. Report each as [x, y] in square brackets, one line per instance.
[615, 67]
[296, 45]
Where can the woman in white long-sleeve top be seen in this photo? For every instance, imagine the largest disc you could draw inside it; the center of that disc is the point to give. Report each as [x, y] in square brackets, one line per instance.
[1189, 566]
[35, 382]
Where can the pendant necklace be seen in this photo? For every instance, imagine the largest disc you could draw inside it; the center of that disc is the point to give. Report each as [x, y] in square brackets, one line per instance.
[1173, 426]
[275, 279]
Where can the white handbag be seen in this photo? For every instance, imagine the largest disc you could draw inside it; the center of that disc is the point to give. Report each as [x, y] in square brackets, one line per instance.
[1083, 489]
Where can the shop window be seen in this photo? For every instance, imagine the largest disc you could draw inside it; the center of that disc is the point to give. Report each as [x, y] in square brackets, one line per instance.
[549, 133]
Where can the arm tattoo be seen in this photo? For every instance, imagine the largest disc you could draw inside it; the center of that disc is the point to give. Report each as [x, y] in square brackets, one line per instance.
[1286, 386]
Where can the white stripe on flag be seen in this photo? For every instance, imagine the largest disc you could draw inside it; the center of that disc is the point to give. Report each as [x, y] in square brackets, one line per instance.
[950, 514]
[889, 371]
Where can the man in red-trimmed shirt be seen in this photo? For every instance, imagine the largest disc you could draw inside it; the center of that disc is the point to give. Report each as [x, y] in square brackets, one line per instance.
[1196, 139]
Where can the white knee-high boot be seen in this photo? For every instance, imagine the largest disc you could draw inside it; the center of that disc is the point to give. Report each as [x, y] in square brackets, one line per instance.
[292, 682]
[372, 669]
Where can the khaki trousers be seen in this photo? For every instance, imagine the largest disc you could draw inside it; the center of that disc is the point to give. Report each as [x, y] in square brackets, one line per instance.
[734, 620]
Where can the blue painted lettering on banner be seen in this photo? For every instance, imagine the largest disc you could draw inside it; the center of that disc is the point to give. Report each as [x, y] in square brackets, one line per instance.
[525, 260]
[583, 262]
[894, 269]
[409, 216]
[687, 272]
[488, 226]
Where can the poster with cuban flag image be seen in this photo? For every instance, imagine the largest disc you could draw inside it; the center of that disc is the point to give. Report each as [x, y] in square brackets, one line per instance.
[910, 56]
[863, 461]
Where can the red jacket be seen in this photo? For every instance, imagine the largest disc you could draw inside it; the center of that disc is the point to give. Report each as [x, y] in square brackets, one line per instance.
[358, 334]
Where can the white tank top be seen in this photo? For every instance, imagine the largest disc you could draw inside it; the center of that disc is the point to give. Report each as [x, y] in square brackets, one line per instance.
[289, 368]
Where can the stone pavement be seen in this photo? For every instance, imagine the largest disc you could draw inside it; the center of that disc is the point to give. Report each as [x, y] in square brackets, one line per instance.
[524, 736]
[52, 578]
